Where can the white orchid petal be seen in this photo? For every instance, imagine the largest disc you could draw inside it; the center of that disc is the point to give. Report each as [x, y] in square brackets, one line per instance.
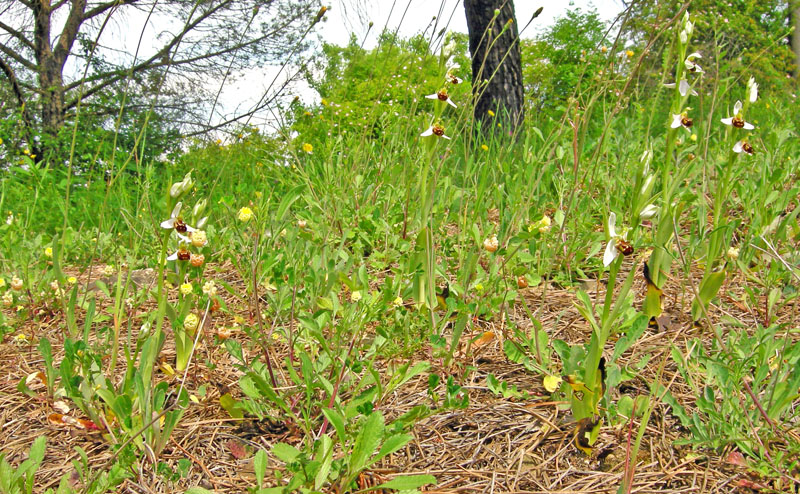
[748, 126]
[450, 102]
[168, 224]
[173, 257]
[738, 147]
[737, 107]
[611, 253]
[648, 212]
[428, 132]
[445, 137]
[676, 121]
[432, 96]
[727, 121]
[694, 55]
[176, 210]
[612, 224]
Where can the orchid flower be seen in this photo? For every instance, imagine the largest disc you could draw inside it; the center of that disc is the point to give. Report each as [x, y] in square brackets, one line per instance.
[737, 120]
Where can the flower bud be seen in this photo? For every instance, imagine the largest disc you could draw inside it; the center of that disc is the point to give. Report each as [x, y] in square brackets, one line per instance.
[199, 209]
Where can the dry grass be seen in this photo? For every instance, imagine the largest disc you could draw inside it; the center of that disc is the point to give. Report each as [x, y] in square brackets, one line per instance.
[495, 445]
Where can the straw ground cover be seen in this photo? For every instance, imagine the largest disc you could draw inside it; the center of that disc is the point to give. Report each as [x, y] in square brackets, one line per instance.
[381, 296]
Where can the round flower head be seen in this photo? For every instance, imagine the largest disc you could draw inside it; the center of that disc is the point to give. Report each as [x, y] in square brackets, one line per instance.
[8, 299]
[16, 284]
[197, 260]
[209, 288]
[191, 322]
[186, 288]
[199, 238]
[491, 244]
[355, 296]
[737, 120]
[245, 214]
[308, 148]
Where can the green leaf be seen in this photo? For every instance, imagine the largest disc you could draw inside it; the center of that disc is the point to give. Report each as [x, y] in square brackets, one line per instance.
[229, 404]
[631, 336]
[391, 445]
[260, 466]
[367, 441]
[198, 490]
[285, 452]
[407, 482]
[287, 201]
[337, 421]
[326, 448]
[709, 287]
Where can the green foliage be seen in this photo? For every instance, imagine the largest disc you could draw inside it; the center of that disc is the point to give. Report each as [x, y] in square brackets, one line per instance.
[567, 56]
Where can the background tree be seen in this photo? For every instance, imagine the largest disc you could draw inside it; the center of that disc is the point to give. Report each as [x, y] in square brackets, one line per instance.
[57, 57]
[496, 62]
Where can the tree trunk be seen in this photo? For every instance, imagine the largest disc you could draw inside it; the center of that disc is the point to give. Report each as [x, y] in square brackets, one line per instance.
[496, 64]
[794, 36]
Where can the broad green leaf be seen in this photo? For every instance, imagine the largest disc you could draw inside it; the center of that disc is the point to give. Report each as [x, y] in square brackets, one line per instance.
[367, 441]
[260, 466]
[337, 421]
[407, 482]
[285, 452]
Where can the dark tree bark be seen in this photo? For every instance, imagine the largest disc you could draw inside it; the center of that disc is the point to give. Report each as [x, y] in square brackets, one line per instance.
[496, 64]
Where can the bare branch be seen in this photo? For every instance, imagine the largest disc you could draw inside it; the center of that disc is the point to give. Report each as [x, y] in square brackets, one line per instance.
[18, 58]
[17, 34]
[105, 6]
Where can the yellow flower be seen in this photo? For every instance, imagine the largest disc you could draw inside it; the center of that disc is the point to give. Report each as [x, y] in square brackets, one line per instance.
[186, 288]
[544, 224]
[8, 299]
[693, 137]
[479, 287]
[397, 302]
[484, 147]
[199, 238]
[308, 148]
[190, 323]
[2, 282]
[20, 339]
[245, 214]
[108, 270]
[355, 296]
[209, 288]
[629, 53]
[603, 49]
[72, 280]
[48, 252]
[490, 113]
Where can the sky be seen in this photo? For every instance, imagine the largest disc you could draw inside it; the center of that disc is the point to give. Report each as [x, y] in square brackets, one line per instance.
[413, 16]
